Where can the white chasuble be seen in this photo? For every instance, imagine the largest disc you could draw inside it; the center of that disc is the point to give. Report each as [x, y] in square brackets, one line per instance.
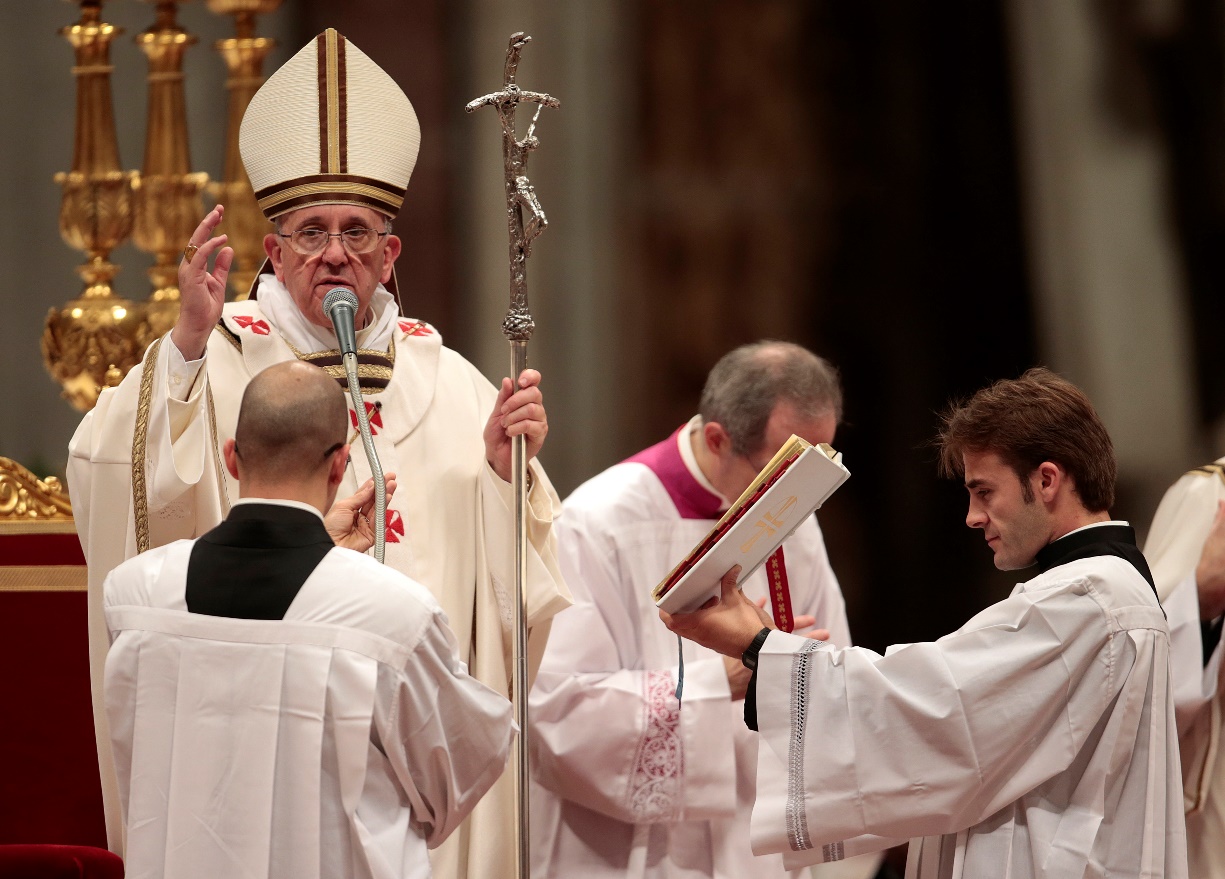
[632, 783]
[338, 742]
[450, 524]
[1038, 740]
[1175, 540]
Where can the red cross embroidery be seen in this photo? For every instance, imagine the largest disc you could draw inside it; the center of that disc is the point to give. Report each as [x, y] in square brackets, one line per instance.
[415, 328]
[259, 327]
[373, 414]
[395, 527]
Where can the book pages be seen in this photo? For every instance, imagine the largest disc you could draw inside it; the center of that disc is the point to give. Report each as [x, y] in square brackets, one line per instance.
[796, 481]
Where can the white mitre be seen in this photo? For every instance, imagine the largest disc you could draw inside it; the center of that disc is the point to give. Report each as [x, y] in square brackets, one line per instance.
[329, 127]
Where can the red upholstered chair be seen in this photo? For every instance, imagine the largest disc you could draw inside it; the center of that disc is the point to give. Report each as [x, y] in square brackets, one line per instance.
[49, 788]
[58, 862]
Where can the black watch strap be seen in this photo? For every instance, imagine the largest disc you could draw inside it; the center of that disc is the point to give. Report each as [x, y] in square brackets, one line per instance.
[749, 657]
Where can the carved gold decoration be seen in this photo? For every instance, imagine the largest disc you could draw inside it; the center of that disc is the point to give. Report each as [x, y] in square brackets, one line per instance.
[167, 194]
[99, 334]
[244, 56]
[92, 342]
[24, 496]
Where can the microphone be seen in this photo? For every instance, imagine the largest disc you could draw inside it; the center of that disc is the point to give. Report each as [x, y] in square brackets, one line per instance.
[340, 305]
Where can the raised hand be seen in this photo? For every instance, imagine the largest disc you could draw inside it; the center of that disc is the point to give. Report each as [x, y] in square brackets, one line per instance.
[201, 292]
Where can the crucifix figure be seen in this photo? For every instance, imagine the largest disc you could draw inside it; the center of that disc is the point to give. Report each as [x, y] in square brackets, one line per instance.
[525, 217]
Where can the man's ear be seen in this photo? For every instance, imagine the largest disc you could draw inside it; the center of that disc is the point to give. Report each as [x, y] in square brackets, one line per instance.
[717, 439]
[230, 453]
[1048, 480]
[390, 252]
[272, 247]
[336, 469]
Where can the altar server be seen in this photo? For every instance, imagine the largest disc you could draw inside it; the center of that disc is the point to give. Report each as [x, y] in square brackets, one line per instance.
[1039, 739]
[1192, 587]
[634, 782]
[280, 706]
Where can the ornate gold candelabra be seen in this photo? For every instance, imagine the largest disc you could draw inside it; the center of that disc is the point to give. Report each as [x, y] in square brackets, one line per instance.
[95, 339]
[244, 56]
[167, 193]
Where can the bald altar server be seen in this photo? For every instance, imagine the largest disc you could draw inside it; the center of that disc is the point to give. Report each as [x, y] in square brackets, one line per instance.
[280, 706]
[634, 783]
[1039, 739]
[329, 142]
[1191, 582]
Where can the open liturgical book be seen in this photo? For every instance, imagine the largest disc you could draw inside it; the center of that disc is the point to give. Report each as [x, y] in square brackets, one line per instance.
[797, 481]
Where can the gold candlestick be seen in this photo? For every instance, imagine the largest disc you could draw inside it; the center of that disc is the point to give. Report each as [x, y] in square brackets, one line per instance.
[167, 194]
[244, 56]
[95, 339]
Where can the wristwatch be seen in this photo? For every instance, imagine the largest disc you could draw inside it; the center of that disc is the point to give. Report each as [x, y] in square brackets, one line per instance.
[749, 657]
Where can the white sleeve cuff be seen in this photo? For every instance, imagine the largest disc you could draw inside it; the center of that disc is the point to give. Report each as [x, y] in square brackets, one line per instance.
[181, 374]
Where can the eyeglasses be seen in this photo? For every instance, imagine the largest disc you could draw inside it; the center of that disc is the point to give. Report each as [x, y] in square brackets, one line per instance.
[336, 448]
[310, 242]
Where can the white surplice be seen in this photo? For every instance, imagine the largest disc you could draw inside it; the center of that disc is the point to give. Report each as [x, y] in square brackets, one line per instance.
[631, 783]
[1038, 740]
[1175, 540]
[450, 524]
[337, 742]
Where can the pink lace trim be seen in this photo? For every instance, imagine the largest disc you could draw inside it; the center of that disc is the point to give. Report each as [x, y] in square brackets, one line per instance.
[655, 791]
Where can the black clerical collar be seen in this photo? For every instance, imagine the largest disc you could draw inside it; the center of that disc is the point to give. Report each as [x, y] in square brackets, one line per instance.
[258, 523]
[1107, 539]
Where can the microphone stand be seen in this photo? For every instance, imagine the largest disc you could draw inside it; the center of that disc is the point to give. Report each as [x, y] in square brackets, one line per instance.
[376, 468]
[340, 305]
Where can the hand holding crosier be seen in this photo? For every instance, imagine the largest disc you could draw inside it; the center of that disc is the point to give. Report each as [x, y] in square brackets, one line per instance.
[516, 413]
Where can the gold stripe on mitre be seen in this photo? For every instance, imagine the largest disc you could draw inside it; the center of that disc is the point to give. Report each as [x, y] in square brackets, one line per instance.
[333, 97]
[279, 200]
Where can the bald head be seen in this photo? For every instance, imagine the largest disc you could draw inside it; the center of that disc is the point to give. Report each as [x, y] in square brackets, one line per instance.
[291, 415]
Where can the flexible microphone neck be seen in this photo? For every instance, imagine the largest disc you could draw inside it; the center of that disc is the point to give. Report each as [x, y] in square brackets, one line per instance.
[340, 305]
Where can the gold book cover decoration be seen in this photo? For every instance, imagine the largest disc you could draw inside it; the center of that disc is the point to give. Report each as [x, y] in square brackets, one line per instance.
[796, 482]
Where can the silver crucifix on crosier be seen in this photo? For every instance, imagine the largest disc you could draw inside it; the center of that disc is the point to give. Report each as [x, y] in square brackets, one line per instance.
[526, 221]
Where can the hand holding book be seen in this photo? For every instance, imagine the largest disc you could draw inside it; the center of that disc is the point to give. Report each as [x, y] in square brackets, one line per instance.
[796, 481]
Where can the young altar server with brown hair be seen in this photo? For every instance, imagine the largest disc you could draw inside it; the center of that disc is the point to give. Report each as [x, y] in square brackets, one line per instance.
[1039, 739]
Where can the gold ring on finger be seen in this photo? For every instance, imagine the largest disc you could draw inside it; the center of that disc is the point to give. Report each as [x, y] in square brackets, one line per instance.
[189, 252]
